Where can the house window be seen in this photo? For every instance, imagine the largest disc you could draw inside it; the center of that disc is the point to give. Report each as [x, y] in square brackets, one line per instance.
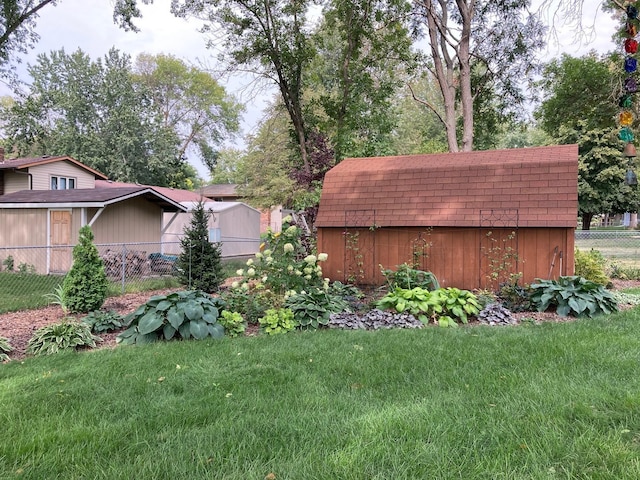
[62, 183]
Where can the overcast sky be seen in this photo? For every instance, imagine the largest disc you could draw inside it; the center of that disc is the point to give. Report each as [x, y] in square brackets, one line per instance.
[73, 24]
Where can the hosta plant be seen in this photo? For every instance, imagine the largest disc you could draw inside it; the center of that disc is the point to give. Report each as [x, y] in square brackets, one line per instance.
[100, 321]
[5, 348]
[313, 309]
[454, 304]
[277, 320]
[233, 323]
[572, 295]
[184, 314]
[64, 335]
[417, 301]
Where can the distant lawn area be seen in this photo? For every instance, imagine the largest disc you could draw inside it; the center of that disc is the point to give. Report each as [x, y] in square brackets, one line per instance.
[549, 401]
[19, 291]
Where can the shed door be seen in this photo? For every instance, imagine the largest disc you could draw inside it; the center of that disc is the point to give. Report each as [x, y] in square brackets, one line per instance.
[60, 238]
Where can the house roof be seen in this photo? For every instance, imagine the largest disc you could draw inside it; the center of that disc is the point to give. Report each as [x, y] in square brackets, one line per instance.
[25, 163]
[220, 190]
[538, 186]
[85, 197]
[175, 194]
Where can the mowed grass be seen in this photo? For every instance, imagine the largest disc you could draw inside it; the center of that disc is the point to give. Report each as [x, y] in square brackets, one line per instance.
[546, 401]
[24, 291]
[20, 291]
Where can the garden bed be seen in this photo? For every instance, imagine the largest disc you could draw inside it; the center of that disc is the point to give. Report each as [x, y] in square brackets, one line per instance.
[18, 327]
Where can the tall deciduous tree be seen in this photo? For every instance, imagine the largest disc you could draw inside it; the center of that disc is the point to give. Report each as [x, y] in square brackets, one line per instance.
[497, 38]
[579, 89]
[363, 47]
[579, 106]
[601, 172]
[269, 38]
[18, 23]
[192, 103]
[92, 111]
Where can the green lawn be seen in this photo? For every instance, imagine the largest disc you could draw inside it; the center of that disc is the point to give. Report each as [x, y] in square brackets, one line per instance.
[19, 291]
[23, 291]
[558, 400]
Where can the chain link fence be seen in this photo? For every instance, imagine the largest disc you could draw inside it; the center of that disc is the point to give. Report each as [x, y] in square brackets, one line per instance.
[28, 275]
[619, 247]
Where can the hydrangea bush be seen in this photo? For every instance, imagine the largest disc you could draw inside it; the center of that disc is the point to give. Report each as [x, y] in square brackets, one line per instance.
[282, 268]
[282, 265]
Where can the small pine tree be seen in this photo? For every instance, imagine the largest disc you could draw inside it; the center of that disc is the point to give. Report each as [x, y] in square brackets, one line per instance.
[85, 287]
[199, 261]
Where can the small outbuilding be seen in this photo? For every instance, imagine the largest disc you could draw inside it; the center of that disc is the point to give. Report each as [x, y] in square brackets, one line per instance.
[234, 224]
[474, 219]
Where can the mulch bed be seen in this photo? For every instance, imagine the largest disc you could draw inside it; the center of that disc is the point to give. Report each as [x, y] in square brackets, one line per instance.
[19, 326]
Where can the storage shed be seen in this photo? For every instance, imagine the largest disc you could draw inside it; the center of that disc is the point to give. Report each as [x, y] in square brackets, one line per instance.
[234, 224]
[471, 218]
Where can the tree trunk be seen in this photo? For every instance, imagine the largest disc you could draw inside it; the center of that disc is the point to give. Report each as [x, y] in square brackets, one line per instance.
[586, 221]
[633, 220]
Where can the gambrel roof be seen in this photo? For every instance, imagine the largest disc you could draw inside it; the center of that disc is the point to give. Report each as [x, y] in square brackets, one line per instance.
[539, 184]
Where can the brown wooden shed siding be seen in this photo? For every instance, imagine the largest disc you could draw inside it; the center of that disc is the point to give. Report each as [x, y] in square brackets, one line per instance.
[455, 255]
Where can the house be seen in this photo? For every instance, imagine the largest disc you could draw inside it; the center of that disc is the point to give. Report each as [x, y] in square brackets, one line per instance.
[471, 218]
[46, 200]
[228, 192]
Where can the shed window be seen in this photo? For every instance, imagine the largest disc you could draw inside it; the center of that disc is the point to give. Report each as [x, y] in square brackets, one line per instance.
[214, 235]
[62, 183]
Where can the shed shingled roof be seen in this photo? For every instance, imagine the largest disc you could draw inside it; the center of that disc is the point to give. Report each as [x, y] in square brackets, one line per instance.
[451, 189]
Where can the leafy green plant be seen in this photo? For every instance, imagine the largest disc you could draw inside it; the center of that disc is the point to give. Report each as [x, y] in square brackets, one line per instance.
[251, 303]
[454, 304]
[405, 276]
[572, 295]
[64, 335]
[277, 320]
[85, 286]
[5, 348]
[25, 268]
[416, 301]
[513, 296]
[623, 272]
[591, 265]
[100, 321]
[58, 298]
[186, 314]
[313, 308]
[9, 263]
[233, 323]
[443, 305]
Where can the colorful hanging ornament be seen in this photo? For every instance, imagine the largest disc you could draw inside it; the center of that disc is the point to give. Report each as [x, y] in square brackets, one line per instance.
[630, 85]
[625, 101]
[630, 64]
[631, 29]
[626, 118]
[632, 12]
[626, 135]
[630, 45]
